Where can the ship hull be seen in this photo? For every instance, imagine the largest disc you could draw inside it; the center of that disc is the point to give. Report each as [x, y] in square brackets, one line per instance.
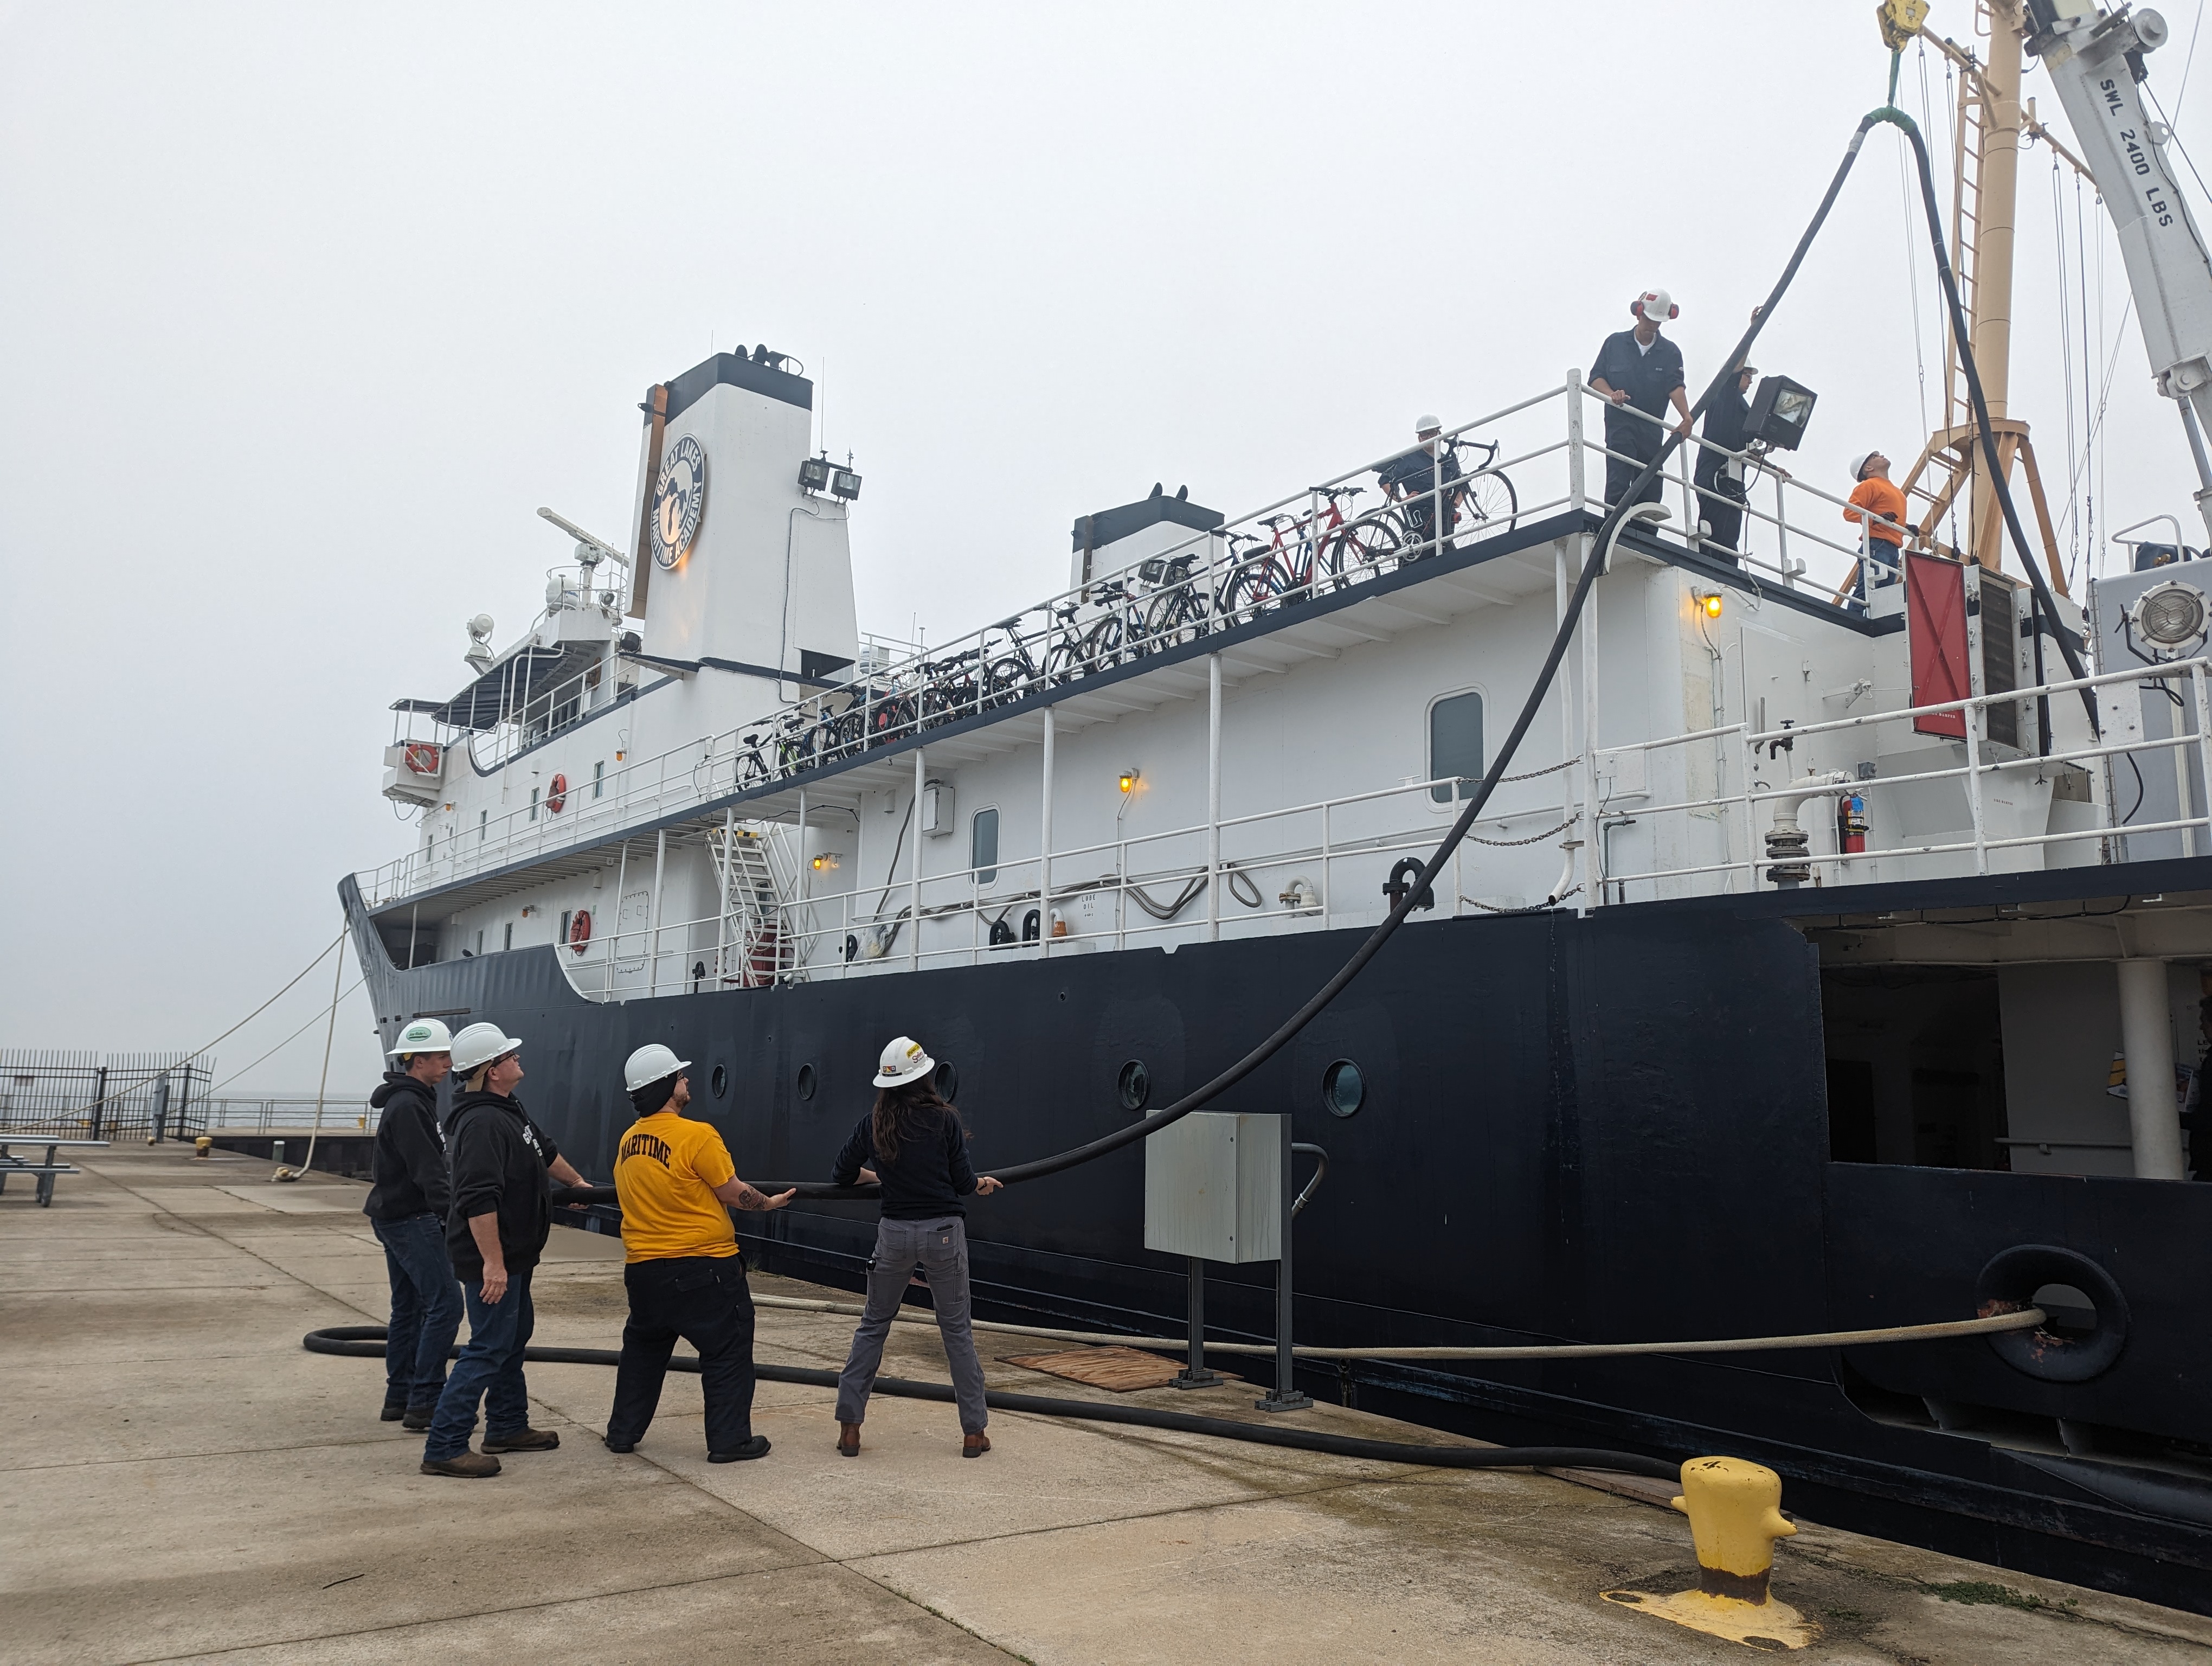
[1606, 1128]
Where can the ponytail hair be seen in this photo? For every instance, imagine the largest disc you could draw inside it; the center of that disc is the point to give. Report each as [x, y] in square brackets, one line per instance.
[900, 1114]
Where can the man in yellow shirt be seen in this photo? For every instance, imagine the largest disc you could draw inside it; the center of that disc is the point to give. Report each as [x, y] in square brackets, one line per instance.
[683, 1273]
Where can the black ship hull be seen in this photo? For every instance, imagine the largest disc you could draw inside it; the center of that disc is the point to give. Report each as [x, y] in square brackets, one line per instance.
[1608, 1128]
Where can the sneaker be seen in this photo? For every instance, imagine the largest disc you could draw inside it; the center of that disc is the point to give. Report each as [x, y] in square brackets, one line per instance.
[470, 1465]
[522, 1440]
[392, 1412]
[974, 1445]
[418, 1418]
[614, 1445]
[756, 1447]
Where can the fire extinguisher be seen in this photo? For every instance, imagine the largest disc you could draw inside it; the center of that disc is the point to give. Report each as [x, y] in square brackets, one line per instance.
[1851, 823]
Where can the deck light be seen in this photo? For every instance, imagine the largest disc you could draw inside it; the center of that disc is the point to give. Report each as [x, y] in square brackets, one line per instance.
[1128, 782]
[1779, 412]
[825, 861]
[814, 474]
[844, 483]
[1710, 601]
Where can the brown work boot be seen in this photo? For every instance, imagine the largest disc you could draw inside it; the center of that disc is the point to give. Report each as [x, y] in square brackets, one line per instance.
[522, 1440]
[974, 1445]
[470, 1465]
[849, 1439]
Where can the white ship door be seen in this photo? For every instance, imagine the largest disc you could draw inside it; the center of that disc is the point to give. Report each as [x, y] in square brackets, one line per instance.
[633, 923]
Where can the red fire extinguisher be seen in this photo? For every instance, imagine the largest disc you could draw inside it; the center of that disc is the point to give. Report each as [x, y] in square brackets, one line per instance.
[1851, 823]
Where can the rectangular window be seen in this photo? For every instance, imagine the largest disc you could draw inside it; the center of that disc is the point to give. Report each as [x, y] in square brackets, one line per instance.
[567, 915]
[533, 804]
[479, 942]
[599, 778]
[484, 823]
[1455, 746]
[510, 936]
[983, 846]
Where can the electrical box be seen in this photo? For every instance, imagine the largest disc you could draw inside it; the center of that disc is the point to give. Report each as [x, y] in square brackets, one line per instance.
[936, 808]
[1214, 1188]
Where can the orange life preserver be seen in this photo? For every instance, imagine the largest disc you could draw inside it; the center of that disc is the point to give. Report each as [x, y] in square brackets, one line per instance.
[556, 795]
[579, 931]
[422, 758]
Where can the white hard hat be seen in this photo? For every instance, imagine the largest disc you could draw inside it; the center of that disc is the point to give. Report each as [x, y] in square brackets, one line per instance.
[1423, 423]
[424, 1035]
[649, 1064]
[478, 1045]
[1657, 305]
[903, 1061]
[1858, 465]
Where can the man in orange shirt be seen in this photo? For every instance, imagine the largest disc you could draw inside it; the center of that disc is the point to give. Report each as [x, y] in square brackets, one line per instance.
[1879, 504]
[685, 1275]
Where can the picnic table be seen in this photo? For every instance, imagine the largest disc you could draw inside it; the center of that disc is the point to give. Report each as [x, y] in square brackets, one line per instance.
[44, 1173]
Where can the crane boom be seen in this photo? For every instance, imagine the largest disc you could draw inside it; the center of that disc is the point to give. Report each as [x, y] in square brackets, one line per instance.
[2095, 61]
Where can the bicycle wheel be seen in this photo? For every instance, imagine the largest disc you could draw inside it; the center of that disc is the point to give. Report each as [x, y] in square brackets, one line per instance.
[1100, 648]
[1487, 504]
[1373, 543]
[752, 769]
[1250, 590]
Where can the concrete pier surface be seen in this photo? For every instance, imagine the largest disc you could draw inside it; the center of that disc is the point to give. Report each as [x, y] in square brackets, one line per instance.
[180, 1481]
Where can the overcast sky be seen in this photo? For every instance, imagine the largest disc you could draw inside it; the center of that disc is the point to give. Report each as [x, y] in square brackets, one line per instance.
[306, 310]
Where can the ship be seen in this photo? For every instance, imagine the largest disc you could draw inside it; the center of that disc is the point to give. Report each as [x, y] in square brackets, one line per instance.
[1830, 957]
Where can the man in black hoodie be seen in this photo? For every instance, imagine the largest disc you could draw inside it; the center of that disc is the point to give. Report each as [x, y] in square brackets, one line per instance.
[495, 1228]
[408, 1195]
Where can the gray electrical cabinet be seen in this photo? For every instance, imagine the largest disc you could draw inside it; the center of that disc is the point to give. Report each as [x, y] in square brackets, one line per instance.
[1214, 1188]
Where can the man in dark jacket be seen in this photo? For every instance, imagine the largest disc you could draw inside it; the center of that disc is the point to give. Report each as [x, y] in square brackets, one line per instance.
[1639, 372]
[407, 1209]
[496, 1229]
[1719, 479]
[1412, 479]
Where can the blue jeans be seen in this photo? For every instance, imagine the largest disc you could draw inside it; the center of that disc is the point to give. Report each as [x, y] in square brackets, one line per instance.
[939, 1247]
[489, 1370]
[426, 1310]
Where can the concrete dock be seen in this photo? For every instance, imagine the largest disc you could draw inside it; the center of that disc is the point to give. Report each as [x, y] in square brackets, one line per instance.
[182, 1482]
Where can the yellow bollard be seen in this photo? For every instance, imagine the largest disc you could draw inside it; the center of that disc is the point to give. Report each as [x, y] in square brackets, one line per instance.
[203, 1145]
[1735, 1517]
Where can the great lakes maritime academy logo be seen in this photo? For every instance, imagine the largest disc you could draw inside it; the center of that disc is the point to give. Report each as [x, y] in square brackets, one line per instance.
[679, 498]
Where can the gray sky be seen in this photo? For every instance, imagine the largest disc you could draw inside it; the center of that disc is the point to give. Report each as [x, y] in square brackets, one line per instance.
[307, 309]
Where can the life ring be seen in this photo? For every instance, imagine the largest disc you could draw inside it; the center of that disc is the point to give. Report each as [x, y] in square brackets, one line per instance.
[556, 795]
[579, 931]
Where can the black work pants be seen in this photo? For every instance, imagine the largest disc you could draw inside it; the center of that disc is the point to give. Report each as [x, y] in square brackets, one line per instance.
[703, 1300]
[1720, 505]
[1636, 438]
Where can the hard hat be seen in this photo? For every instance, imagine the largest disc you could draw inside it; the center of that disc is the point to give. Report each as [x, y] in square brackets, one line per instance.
[903, 1061]
[478, 1045]
[1859, 463]
[1423, 424]
[1657, 305]
[649, 1064]
[424, 1035]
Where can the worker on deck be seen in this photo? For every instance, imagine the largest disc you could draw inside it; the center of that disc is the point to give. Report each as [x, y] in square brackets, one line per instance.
[408, 1193]
[912, 1142]
[1412, 480]
[1639, 372]
[497, 1226]
[684, 1271]
[1719, 477]
[1879, 506]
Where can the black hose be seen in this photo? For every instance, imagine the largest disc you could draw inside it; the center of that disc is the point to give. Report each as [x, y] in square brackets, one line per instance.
[367, 1341]
[1959, 334]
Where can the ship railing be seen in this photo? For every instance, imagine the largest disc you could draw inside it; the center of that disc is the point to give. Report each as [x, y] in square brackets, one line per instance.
[1970, 833]
[1312, 543]
[259, 1115]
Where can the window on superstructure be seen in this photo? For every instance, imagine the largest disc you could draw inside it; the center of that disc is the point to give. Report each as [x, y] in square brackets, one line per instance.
[533, 804]
[598, 779]
[984, 845]
[483, 825]
[509, 943]
[1455, 746]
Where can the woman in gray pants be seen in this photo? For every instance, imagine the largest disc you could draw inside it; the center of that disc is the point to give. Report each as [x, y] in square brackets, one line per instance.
[912, 1142]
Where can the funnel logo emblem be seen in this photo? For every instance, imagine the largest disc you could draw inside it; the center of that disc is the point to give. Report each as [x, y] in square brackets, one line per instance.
[679, 498]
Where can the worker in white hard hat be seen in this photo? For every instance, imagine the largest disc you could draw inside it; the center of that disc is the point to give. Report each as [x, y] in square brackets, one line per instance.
[912, 1143]
[497, 1226]
[1416, 479]
[683, 1270]
[1879, 507]
[408, 1195]
[1718, 476]
[1639, 373]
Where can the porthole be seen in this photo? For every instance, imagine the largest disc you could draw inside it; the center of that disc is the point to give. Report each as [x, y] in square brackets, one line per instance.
[807, 1081]
[1134, 1087]
[947, 1080]
[720, 1081]
[1343, 1089]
